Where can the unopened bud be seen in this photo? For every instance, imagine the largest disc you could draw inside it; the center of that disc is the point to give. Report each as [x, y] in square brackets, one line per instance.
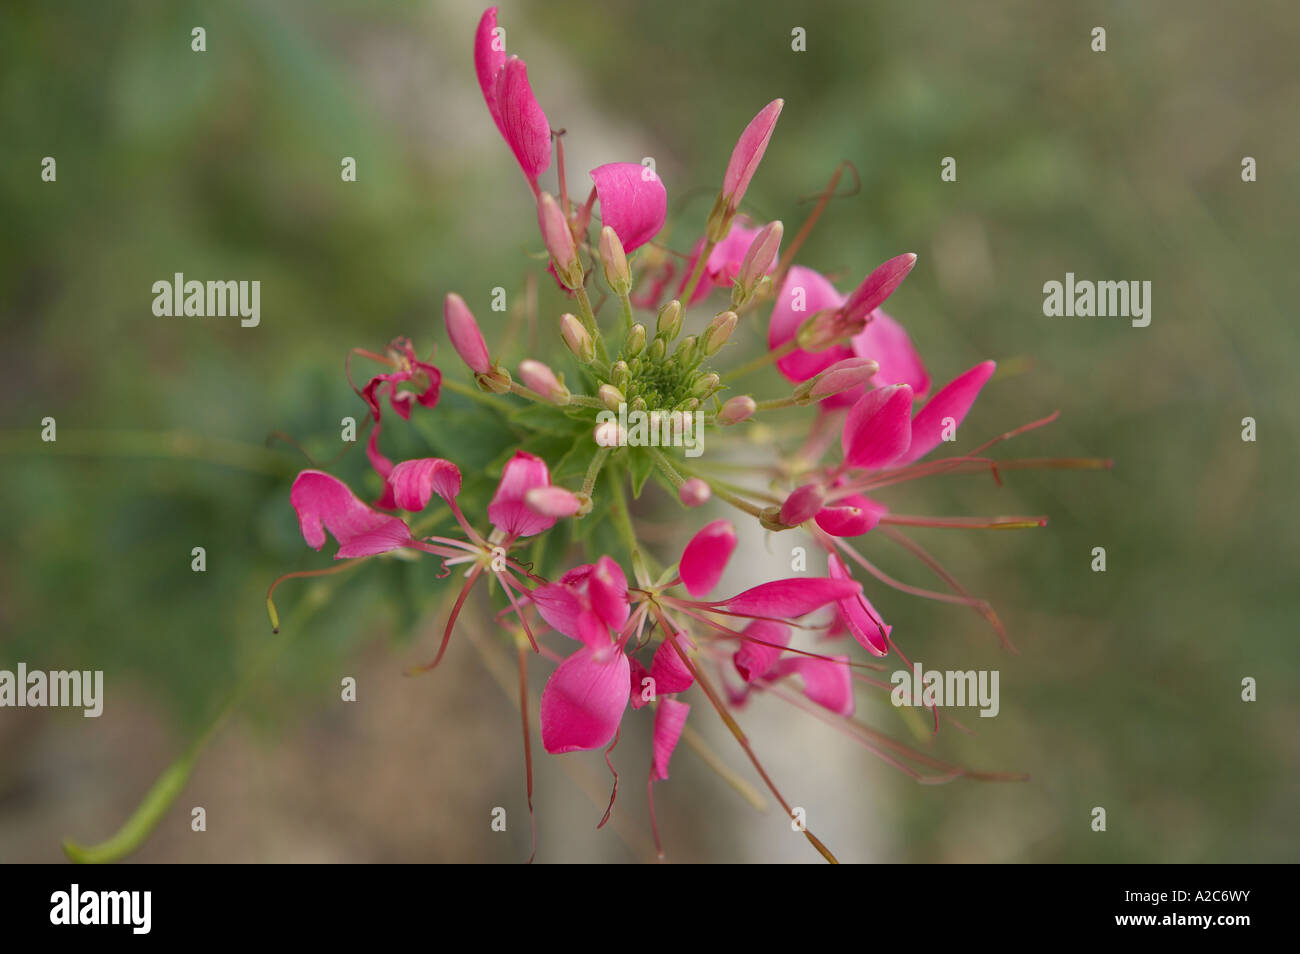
[607, 434]
[758, 262]
[541, 379]
[685, 354]
[496, 380]
[656, 351]
[464, 333]
[738, 409]
[718, 331]
[559, 241]
[619, 375]
[635, 340]
[841, 376]
[804, 503]
[705, 385]
[610, 396]
[552, 502]
[577, 338]
[820, 331]
[669, 324]
[694, 492]
[614, 261]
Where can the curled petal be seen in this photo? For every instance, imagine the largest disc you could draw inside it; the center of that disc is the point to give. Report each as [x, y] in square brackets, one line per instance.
[759, 653]
[508, 510]
[633, 201]
[705, 557]
[670, 717]
[414, 482]
[851, 517]
[325, 503]
[522, 121]
[803, 293]
[859, 616]
[953, 401]
[584, 701]
[788, 599]
[826, 681]
[878, 428]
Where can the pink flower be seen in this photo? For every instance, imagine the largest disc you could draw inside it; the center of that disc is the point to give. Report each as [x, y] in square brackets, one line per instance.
[509, 510]
[407, 369]
[633, 201]
[723, 264]
[510, 100]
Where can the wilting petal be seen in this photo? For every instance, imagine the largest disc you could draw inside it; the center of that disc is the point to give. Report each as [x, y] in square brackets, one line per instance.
[414, 482]
[633, 201]
[803, 293]
[954, 400]
[827, 682]
[584, 701]
[667, 669]
[886, 342]
[788, 599]
[705, 557]
[522, 121]
[851, 516]
[508, 510]
[325, 503]
[753, 659]
[748, 152]
[879, 427]
[670, 717]
[488, 62]
[877, 287]
[859, 616]
[607, 591]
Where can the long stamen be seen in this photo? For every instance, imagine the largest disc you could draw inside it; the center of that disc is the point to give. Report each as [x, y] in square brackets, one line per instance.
[300, 574]
[614, 794]
[965, 523]
[528, 746]
[451, 621]
[706, 686]
[510, 584]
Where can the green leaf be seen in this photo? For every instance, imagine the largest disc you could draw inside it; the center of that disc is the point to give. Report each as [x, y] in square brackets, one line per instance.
[640, 466]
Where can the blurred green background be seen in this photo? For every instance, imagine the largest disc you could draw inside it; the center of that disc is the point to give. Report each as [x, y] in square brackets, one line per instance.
[225, 164]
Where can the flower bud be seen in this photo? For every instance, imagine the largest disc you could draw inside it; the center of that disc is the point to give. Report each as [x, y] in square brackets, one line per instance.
[705, 385]
[875, 288]
[607, 434]
[559, 241]
[758, 262]
[577, 338]
[635, 340]
[619, 375]
[737, 409]
[553, 501]
[610, 396]
[744, 161]
[614, 261]
[804, 503]
[542, 380]
[464, 333]
[820, 331]
[656, 350]
[690, 404]
[496, 380]
[694, 492]
[685, 354]
[718, 331]
[841, 376]
[669, 324]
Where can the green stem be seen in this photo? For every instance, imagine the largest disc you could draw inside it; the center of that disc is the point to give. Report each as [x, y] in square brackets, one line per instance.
[697, 273]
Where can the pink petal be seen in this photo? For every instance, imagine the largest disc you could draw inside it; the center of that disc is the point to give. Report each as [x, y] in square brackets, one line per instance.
[861, 618]
[560, 605]
[812, 292]
[753, 659]
[748, 152]
[508, 511]
[877, 287]
[668, 671]
[522, 121]
[827, 682]
[954, 401]
[584, 701]
[464, 333]
[879, 427]
[723, 265]
[885, 342]
[633, 201]
[670, 717]
[851, 516]
[636, 690]
[705, 557]
[414, 482]
[788, 599]
[607, 590]
[488, 63]
[325, 503]
[802, 504]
